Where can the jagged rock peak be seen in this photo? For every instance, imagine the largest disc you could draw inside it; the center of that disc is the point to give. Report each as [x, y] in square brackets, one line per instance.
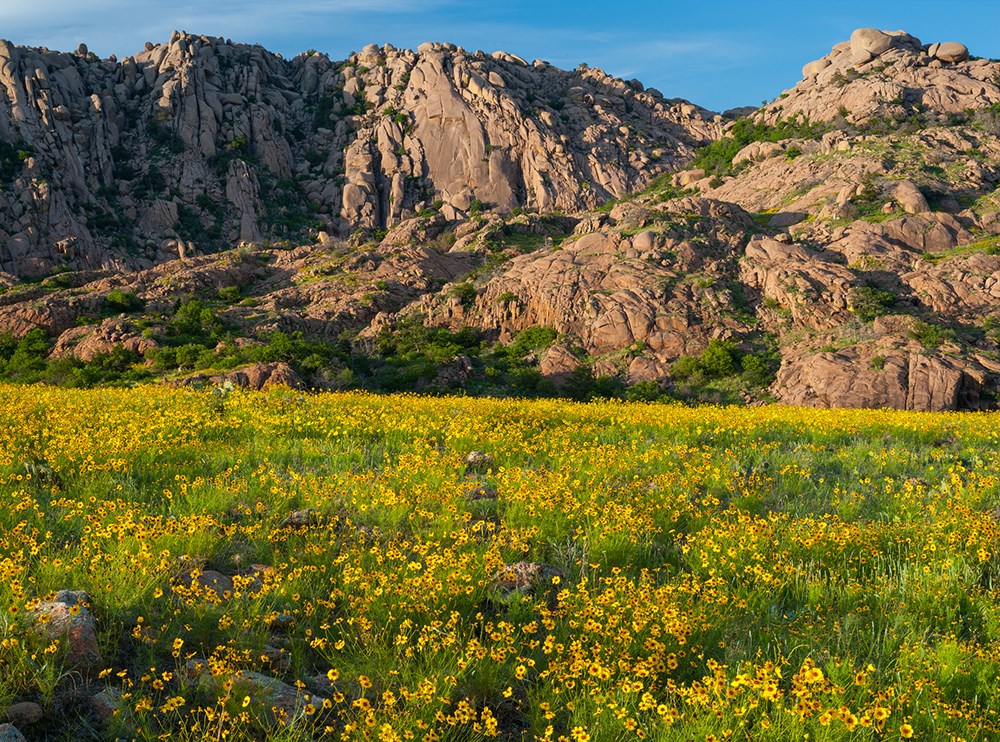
[201, 143]
[888, 73]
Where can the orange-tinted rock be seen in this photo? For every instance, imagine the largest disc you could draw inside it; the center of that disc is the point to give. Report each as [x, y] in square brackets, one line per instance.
[67, 617]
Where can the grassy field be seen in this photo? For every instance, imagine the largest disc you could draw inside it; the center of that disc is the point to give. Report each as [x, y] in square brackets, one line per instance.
[710, 573]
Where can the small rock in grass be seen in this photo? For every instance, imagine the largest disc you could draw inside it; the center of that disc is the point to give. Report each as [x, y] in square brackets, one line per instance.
[105, 704]
[278, 658]
[69, 617]
[301, 519]
[195, 667]
[477, 460]
[252, 580]
[525, 577]
[24, 714]
[483, 492]
[288, 702]
[283, 623]
[211, 582]
[10, 733]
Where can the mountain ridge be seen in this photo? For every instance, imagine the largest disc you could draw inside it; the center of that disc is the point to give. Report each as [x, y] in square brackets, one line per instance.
[440, 219]
[150, 148]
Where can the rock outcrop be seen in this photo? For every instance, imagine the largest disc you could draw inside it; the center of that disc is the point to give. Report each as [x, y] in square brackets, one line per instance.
[264, 376]
[198, 144]
[854, 252]
[879, 74]
[892, 371]
[657, 294]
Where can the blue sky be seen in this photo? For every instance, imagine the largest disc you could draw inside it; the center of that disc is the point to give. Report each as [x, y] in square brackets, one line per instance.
[717, 53]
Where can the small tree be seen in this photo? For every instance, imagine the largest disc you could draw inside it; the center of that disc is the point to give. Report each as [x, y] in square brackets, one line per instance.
[718, 360]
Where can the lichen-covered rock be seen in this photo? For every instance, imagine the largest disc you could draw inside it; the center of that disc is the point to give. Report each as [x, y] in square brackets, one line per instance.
[10, 733]
[67, 617]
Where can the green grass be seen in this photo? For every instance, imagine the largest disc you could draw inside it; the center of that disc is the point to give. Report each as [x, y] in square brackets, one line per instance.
[717, 567]
[987, 246]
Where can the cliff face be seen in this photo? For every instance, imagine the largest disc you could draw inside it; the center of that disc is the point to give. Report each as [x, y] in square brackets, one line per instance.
[198, 144]
[845, 236]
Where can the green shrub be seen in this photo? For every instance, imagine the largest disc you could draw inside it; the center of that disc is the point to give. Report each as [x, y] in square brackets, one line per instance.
[230, 294]
[645, 391]
[867, 302]
[240, 145]
[193, 320]
[869, 201]
[755, 371]
[931, 336]
[532, 338]
[464, 292]
[164, 357]
[12, 159]
[580, 383]
[718, 360]
[662, 187]
[717, 158]
[151, 184]
[686, 368]
[24, 359]
[123, 301]
[187, 355]
[840, 79]
[113, 366]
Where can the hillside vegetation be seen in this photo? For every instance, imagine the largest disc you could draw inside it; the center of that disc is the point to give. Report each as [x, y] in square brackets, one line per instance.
[352, 566]
[408, 220]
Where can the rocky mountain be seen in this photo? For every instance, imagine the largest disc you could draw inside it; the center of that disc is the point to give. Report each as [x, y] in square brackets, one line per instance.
[198, 144]
[442, 219]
